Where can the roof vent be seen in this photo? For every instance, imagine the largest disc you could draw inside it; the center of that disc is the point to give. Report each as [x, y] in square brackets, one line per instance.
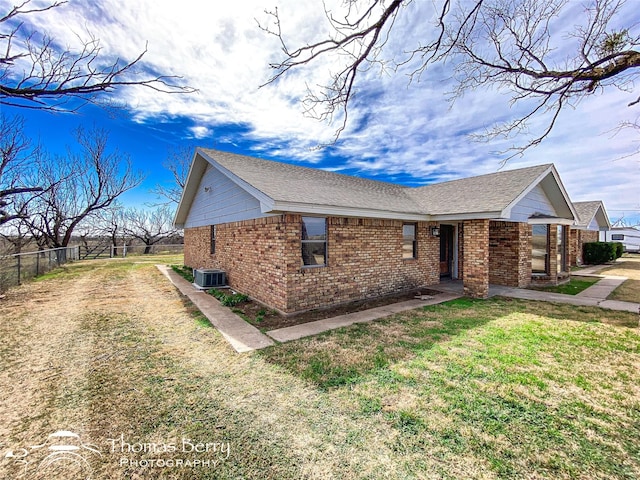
[208, 278]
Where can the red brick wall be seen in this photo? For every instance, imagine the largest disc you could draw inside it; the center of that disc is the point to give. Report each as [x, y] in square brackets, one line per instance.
[460, 250]
[262, 258]
[251, 252]
[476, 258]
[577, 239]
[509, 254]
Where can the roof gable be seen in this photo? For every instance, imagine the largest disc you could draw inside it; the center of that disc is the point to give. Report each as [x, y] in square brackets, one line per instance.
[592, 216]
[281, 187]
[489, 193]
[291, 184]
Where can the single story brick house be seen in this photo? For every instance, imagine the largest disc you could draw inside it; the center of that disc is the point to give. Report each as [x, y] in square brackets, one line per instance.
[592, 219]
[298, 238]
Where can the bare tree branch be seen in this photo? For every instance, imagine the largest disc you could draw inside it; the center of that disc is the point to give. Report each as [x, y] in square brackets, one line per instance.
[80, 187]
[150, 226]
[509, 44]
[36, 73]
[16, 175]
[178, 162]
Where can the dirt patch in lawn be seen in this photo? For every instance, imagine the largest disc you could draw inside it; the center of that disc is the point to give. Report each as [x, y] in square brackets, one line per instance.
[266, 319]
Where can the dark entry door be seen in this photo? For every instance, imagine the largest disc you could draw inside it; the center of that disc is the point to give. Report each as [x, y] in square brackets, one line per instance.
[446, 250]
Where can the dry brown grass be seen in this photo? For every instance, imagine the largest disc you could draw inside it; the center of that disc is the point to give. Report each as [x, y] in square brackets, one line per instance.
[110, 348]
[627, 266]
[115, 351]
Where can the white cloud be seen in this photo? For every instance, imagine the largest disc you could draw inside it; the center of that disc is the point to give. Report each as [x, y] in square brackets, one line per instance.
[201, 132]
[218, 48]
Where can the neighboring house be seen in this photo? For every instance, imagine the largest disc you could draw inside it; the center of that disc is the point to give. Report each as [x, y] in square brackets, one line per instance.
[297, 238]
[592, 219]
[628, 236]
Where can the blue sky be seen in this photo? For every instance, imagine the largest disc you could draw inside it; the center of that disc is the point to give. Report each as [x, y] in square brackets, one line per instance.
[399, 132]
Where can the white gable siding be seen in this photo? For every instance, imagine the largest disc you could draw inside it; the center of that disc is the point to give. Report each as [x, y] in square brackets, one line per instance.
[224, 202]
[535, 202]
[594, 225]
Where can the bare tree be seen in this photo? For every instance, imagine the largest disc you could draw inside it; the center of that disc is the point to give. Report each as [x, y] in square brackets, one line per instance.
[111, 223]
[178, 162]
[150, 226]
[510, 44]
[16, 174]
[35, 72]
[15, 234]
[82, 185]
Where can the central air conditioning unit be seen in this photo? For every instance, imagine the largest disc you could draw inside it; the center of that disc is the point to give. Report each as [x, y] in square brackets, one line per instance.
[208, 278]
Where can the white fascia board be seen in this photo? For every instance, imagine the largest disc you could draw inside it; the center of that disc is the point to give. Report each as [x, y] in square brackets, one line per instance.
[468, 216]
[507, 210]
[602, 213]
[335, 211]
[196, 170]
[551, 170]
[548, 220]
[565, 195]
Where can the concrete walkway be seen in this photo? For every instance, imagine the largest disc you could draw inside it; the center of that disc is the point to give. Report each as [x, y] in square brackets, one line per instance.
[295, 332]
[242, 336]
[245, 338]
[594, 296]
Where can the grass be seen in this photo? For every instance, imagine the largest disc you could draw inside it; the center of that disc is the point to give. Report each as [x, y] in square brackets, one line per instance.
[468, 389]
[627, 266]
[574, 286]
[520, 387]
[184, 271]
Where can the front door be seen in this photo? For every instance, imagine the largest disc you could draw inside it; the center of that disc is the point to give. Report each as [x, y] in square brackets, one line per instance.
[446, 250]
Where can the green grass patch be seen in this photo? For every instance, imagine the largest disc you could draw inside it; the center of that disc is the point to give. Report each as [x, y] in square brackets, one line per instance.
[531, 388]
[574, 286]
[184, 271]
[499, 388]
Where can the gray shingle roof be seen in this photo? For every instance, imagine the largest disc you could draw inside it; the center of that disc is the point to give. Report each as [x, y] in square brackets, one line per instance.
[484, 193]
[288, 183]
[586, 211]
[291, 183]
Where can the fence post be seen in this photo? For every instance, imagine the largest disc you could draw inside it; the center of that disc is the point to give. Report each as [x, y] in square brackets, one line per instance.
[124, 250]
[19, 273]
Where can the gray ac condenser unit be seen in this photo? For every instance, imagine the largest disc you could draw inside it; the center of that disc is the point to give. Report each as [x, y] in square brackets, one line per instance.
[208, 278]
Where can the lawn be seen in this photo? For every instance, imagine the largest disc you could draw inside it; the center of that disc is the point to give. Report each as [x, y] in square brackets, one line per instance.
[499, 388]
[575, 285]
[627, 266]
[469, 389]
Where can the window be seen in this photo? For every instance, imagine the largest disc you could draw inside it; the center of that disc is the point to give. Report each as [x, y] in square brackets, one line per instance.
[409, 242]
[617, 236]
[213, 239]
[562, 249]
[314, 241]
[539, 249]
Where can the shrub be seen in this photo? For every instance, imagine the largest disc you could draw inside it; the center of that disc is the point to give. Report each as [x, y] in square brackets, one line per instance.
[228, 299]
[595, 253]
[619, 249]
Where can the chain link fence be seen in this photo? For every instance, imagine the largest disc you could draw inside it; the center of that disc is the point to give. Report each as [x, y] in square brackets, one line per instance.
[16, 268]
